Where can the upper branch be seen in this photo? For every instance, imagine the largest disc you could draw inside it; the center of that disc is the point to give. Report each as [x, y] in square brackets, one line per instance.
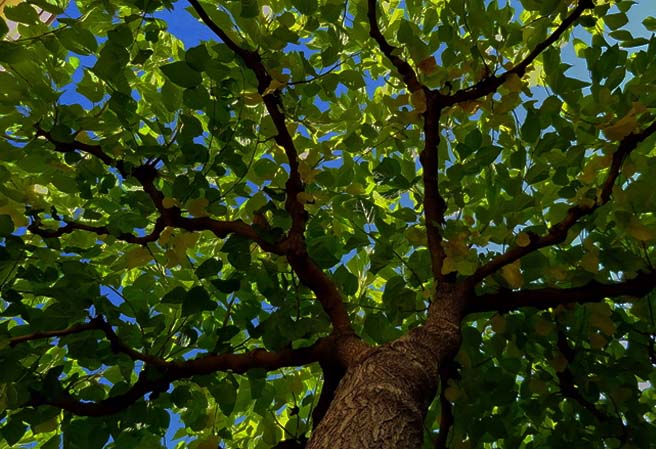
[543, 298]
[434, 204]
[491, 83]
[272, 102]
[294, 246]
[407, 73]
[558, 232]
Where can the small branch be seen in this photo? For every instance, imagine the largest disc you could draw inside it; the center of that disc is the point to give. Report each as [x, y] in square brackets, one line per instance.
[272, 102]
[294, 244]
[491, 83]
[558, 232]
[35, 228]
[40, 335]
[446, 409]
[567, 385]
[71, 147]
[405, 70]
[332, 375]
[543, 298]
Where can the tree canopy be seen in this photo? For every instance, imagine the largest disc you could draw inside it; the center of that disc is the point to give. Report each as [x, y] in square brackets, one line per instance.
[209, 237]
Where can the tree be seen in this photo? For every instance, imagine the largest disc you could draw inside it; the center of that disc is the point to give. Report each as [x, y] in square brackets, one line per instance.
[337, 224]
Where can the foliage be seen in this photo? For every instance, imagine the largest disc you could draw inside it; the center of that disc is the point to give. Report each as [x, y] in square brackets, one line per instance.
[185, 230]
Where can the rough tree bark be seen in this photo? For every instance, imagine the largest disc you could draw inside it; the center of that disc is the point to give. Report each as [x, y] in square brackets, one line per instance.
[383, 398]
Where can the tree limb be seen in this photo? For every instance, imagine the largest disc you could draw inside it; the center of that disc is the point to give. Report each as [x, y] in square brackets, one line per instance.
[434, 204]
[405, 70]
[40, 335]
[159, 373]
[294, 245]
[506, 300]
[446, 408]
[491, 83]
[558, 232]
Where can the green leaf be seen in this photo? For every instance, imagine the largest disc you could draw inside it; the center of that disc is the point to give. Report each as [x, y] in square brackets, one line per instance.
[6, 225]
[650, 23]
[225, 393]
[306, 7]
[182, 74]
[209, 268]
[197, 300]
[198, 58]
[4, 29]
[249, 8]
[227, 285]
[22, 12]
[615, 21]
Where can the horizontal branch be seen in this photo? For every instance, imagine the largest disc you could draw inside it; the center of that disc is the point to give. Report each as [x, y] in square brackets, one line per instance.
[491, 83]
[158, 373]
[558, 232]
[505, 300]
[75, 145]
[405, 70]
[41, 335]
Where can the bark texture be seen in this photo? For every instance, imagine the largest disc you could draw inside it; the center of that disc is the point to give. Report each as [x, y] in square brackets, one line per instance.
[384, 396]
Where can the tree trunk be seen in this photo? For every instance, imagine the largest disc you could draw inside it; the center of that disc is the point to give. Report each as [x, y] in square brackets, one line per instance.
[383, 398]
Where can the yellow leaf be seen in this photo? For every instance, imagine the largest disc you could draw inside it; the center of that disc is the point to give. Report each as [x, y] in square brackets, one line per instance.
[621, 128]
[639, 231]
[418, 100]
[597, 341]
[590, 262]
[169, 203]
[210, 442]
[304, 197]
[273, 86]
[428, 65]
[559, 363]
[449, 265]
[452, 392]
[166, 234]
[46, 426]
[355, 188]
[498, 323]
[604, 323]
[523, 239]
[513, 83]
[138, 257]
[16, 212]
[513, 274]
[307, 172]
[416, 235]
[543, 327]
[251, 98]
[196, 207]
